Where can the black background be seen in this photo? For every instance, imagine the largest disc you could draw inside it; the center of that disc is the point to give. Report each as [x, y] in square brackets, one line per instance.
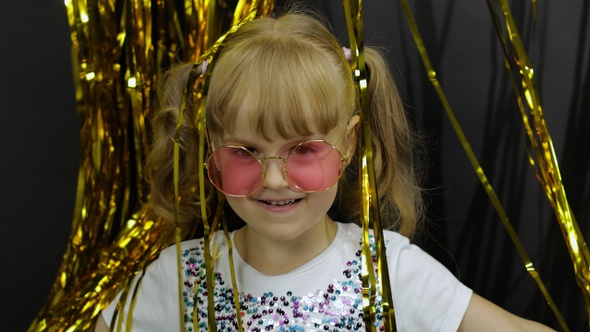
[39, 145]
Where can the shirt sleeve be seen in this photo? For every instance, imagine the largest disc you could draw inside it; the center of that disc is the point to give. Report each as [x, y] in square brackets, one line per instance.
[426, 296]
[156, 305]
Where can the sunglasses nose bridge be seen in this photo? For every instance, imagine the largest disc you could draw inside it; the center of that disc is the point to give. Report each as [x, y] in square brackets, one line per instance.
[282, 167]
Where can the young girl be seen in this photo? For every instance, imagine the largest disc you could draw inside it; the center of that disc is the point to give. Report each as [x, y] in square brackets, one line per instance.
[282, 125]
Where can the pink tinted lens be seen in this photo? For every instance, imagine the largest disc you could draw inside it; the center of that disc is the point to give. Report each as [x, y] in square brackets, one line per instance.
[314, 166]
[234, 171]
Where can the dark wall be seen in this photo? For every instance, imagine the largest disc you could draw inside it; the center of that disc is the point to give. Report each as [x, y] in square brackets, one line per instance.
[38, 153]
[39, 145]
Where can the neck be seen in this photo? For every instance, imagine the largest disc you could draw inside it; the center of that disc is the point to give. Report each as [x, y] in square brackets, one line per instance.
[278, 257]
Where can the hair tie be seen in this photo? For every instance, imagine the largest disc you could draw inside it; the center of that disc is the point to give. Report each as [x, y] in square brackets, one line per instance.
[347, 53]
[204, 66]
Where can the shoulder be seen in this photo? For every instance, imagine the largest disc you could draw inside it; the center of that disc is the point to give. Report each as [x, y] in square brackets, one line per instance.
[426, 295]
[186, 247]
[156, 292]
[403, 257]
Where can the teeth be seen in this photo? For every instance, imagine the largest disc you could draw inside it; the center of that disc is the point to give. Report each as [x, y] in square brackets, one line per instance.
[280, 203]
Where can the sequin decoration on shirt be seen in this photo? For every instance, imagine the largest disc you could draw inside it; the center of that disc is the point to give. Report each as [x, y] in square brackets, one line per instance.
[336, 307]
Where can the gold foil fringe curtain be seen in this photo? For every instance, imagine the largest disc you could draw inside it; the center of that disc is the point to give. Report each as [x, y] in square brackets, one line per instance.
[542, 158]
[119, 49]
[197, 88]
[432, 76]
[375, 282]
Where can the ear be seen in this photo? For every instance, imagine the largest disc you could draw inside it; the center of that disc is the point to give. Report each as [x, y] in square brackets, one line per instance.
[352, 134]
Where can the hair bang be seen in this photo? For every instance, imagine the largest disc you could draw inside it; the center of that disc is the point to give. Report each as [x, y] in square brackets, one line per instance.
[286, 90]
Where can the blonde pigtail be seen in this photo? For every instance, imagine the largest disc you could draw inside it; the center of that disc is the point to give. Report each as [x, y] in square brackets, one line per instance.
[400, 195]
[160, 162]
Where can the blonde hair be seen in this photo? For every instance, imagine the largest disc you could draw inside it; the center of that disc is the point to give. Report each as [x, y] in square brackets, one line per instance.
[284, 71]
[291, 75]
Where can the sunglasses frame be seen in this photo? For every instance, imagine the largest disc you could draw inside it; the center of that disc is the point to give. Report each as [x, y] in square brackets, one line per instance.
[285, 170]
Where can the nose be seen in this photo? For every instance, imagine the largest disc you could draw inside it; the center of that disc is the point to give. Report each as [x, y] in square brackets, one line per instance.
[274, 174]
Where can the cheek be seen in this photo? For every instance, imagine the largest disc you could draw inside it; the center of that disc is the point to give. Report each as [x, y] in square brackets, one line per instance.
[323, 200]
[235, 202]
[243, 207]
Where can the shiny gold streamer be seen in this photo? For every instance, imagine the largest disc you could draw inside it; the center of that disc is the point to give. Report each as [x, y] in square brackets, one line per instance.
[249, 11]
[475, 163]
[546, 165]
[370, 216]
[108, 243]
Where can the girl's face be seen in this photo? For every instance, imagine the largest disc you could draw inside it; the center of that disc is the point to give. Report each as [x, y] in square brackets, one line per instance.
[277, 210]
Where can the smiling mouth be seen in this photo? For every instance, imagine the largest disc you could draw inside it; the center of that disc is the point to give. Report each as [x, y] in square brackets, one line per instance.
[281, 203]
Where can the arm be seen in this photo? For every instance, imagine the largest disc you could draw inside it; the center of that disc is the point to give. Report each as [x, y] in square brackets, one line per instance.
[101, 325]
[483, 315]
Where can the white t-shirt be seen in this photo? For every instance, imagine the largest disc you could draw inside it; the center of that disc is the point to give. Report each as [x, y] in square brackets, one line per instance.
[322, 295]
